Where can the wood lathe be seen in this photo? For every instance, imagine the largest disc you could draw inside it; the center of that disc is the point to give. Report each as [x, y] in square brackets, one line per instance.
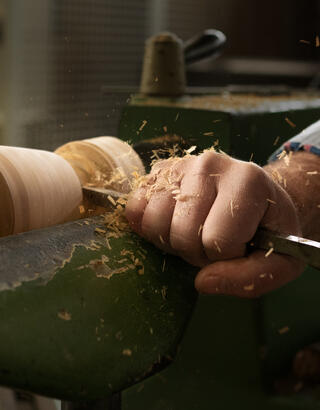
[77, 326]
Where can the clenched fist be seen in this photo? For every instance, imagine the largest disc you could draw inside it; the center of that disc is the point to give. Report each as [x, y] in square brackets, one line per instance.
[206, 209]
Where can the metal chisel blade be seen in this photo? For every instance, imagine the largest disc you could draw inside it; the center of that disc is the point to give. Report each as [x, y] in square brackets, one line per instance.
[301, 248]
[101, 196]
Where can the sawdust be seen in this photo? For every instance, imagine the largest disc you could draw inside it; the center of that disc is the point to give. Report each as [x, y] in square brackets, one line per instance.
[115, 222]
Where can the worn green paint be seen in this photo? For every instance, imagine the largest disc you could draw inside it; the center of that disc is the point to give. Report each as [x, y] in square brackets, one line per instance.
[232, 351]
[219, 363]
[71, 332]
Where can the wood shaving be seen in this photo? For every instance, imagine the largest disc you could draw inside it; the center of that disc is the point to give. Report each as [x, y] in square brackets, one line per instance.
[64, 315]
[275, 142]
[164, 292]
[155, 154]
[111, 200]
[231, 208]
[209, 134]
[112, 272]
[108, 244]
[282, 154]
[292, 124]
[122, 260]
[141, 254]
[287, 159]
[101, 231]
[283, 330]
[249, 287]
[144, 123]
[276, 176]
[191, 149]
[271, 201]
[127, 352]
[269, 252]
[126, 252]
[183, 198]
[312, 172]
[285, 182]
[217, 246]
[135, 175]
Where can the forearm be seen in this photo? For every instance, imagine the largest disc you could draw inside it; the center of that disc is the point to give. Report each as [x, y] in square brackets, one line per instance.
[299, 175]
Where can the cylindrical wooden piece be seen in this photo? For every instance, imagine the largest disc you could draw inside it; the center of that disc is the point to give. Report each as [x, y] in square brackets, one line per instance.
[38, 189]
[106, 162]
[103, 162]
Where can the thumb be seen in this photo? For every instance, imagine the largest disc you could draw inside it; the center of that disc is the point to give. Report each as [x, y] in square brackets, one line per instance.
[249, 276]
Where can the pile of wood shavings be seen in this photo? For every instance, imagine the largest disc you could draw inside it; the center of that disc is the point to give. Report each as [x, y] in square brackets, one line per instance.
[115, 222]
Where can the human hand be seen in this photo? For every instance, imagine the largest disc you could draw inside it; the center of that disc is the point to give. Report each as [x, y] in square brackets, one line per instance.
[206, 209]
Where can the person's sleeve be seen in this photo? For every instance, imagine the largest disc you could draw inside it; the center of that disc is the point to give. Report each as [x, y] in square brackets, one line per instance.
[308, 140]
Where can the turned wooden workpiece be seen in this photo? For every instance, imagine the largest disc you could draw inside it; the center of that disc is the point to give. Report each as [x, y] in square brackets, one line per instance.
[103, 162]
[37, 189]
[40, 188]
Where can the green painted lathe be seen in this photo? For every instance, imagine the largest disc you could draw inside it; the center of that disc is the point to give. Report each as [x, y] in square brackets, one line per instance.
[233, 350]
[77, 327]
[80, 322]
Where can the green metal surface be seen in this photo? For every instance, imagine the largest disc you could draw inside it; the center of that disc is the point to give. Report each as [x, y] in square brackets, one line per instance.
[73, 325]
[234, 349]
[76, 327]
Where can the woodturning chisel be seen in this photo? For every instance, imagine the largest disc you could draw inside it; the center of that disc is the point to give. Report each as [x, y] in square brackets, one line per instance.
[303, 249]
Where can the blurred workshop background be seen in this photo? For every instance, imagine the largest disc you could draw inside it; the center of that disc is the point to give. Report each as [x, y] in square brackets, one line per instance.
[67, 67]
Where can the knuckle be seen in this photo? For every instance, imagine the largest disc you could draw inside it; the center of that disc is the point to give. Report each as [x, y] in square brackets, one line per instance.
[254, 175]
[205, 161]
[254, 179]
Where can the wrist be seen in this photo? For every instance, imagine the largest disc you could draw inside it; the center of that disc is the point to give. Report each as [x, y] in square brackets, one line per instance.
[299, 174]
